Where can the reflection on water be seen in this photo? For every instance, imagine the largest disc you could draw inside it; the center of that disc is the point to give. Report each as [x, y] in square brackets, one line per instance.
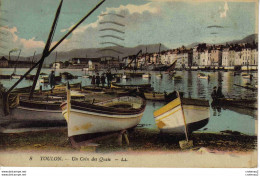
[191, 85]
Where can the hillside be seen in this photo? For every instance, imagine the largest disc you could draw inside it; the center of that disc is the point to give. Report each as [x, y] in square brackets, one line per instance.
[120, 52]
[114, 51]
[248, 39]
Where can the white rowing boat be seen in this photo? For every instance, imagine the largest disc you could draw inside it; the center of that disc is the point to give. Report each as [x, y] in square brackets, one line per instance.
[108, 116]
[173, 117]
[203, 76]
[148, 75]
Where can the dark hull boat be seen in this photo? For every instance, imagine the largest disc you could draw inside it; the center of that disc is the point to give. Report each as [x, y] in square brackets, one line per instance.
[132, 86]
[239, 103]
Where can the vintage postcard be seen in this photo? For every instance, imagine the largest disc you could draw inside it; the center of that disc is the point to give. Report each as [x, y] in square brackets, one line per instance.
[129, 83]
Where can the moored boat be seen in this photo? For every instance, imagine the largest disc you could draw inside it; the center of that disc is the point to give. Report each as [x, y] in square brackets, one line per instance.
[159, 76]
[130, 86]
[155, 96]
[158, 96]
[109, 116]
[180, 114]
[14, 76]
[177, 77]
[124, 76]
[44, 79]
[203, 76]
[146, 75]
[247, 76]
[39, 108]
[239, 103]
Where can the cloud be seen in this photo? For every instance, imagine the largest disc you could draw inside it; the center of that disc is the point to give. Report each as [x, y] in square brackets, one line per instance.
[135, 9]
[223, 14]
[32, 43]
[26, 45]
[89, 35]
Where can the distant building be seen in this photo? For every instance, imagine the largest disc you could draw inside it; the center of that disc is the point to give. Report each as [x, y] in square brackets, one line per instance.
[58, 65]
[238, 58]
[254, 57]
[197, 51]
[196, 56]
[216, 57]
[205, 58]
[245, 56]
[184, 58]
[96, 63]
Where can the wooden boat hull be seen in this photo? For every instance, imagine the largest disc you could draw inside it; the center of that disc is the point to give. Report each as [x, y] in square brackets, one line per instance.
[246, 76]
[114, 85]
[146, 76]
[203, 77]
[91, 119]
[239, 103]
[154, 96]
[125, 77]
[85, 123]
[159, 76]
[16, 76]
[37, 110]
[34, 114]
[169, 119]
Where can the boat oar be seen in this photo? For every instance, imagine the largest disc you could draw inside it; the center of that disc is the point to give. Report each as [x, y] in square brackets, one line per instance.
[184, 144]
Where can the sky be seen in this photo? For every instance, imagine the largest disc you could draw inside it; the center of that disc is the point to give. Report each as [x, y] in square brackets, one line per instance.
[25, 24]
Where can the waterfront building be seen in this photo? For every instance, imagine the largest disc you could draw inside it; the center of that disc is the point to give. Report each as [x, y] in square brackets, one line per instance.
[205, 58]
[245, 56]
[238, 58]
[196, 56]
[254, 57]
[197, 50]
[184, 59]
[228, 57]
[216, 56]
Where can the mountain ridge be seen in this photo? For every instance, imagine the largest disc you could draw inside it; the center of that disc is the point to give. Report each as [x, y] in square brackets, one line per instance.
[116, 51]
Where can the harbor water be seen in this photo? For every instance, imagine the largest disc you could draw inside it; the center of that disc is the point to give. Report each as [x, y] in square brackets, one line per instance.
[234, 119]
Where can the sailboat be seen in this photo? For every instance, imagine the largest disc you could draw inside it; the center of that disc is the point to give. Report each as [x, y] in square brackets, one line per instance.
[35, 106]
[14, 75]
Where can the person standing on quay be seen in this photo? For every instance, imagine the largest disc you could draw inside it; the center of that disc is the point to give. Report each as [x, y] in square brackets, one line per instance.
[109, 79]
[52, 79]
[103, 79]
[93, 80]
[97, 79]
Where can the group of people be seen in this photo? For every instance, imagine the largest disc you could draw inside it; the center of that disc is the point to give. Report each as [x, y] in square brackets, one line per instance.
[96, 79]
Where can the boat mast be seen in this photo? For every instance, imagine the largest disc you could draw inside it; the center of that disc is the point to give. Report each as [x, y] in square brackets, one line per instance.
[46, 49]
[16, 62]
[33, 56]
[55, 46]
